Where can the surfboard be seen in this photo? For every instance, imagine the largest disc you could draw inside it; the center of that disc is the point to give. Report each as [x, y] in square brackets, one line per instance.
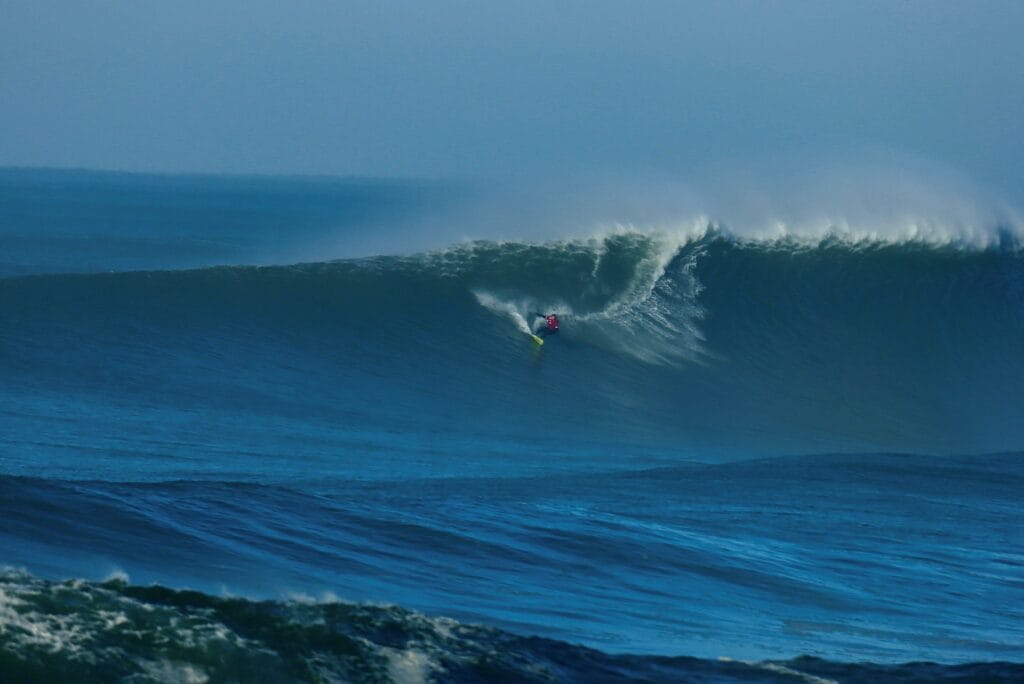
[537, 340]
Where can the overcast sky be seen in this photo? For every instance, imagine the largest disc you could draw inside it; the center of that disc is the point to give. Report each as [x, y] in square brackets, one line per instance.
[470, 89]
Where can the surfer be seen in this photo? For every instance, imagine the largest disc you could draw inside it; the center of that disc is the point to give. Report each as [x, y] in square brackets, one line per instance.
[550, 324]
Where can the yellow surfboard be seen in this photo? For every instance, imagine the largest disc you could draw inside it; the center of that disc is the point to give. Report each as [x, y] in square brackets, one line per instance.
[536, 339]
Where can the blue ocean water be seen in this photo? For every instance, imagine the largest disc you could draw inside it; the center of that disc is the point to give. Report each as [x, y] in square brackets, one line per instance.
[800, 455]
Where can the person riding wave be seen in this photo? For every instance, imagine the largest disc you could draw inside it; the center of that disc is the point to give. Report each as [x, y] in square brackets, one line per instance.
[550, 324]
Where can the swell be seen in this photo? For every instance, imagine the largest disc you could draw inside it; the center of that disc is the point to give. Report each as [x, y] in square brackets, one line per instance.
[703, 341]
[826, 554]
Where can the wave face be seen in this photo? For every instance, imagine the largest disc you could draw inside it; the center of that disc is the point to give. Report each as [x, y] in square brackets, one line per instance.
[793, 449]
[707, 346]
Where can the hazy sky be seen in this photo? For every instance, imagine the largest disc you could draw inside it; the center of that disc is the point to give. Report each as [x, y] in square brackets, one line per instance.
[484, 88]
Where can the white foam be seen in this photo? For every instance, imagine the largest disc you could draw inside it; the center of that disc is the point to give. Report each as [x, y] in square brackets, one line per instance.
[408, 666]
[167, 671]
[783, 670]
[52, 633]
[112, 620]
[513, 310]
[117, 575]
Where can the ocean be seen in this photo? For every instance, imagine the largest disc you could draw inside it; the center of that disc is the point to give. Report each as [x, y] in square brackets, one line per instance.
[288, 429]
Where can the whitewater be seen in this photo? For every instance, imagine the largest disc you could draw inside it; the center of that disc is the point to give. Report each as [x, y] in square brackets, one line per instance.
[259, 425]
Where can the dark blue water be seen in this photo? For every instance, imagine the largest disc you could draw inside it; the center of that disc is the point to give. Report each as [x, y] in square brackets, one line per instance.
[743, 448]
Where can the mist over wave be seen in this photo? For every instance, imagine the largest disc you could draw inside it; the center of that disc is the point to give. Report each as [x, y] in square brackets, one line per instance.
[55, 221]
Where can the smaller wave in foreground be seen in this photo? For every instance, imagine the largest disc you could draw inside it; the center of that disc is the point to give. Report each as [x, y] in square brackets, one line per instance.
[114, 631]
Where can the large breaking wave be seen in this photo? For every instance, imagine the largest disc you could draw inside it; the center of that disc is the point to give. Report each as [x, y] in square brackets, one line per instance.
[700, 340]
